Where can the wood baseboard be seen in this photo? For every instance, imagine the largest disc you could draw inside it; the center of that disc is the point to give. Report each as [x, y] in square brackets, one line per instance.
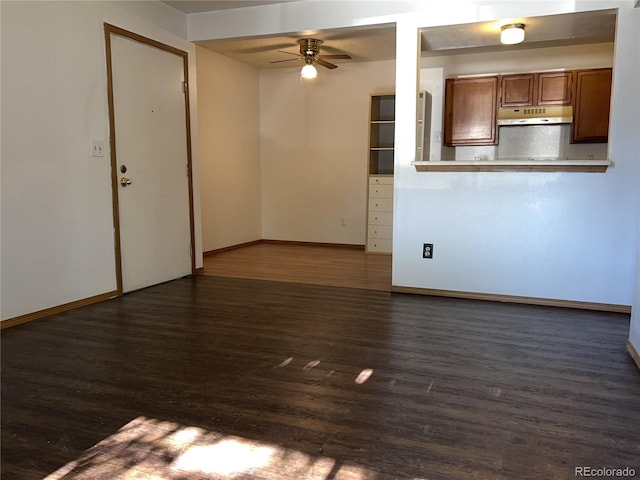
[199, 271]
[282, 242]
[547, 302]
[315, 244]
[29, 317]
[208, 253]
[634, 353]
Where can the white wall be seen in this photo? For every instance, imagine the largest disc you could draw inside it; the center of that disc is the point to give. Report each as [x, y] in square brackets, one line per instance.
[627, 132]
[555, 235]
[568, 236]
[57, 224]
[228, 119]
[313, 142]
[634, 332]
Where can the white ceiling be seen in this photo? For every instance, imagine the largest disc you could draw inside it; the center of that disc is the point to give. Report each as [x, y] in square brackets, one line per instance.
[363, 44]
[543, 31]
[378, 43]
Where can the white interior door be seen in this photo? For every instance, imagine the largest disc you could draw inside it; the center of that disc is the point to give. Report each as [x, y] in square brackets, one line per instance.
[151, 152]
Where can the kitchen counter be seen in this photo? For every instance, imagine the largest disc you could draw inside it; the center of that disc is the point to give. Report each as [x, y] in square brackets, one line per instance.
[514, 165]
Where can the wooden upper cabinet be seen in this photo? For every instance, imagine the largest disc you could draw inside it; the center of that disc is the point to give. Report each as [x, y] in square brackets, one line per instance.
[533, 89]
[554, 88]
[592, 97]
[470, 110]
[517, 90]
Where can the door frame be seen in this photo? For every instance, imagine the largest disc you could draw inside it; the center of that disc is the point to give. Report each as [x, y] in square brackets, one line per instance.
[108, 31]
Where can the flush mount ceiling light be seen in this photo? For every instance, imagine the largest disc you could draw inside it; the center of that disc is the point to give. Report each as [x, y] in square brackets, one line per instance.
[308, 71]
[512, 33]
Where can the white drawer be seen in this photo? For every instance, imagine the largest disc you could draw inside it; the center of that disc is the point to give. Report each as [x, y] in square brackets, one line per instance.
[381, 205]
[381, 218]
[374, 180]
[379, 245]
[380, 231]
[380, 191]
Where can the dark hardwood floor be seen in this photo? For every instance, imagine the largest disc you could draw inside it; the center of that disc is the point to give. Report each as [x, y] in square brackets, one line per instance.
[322, 382]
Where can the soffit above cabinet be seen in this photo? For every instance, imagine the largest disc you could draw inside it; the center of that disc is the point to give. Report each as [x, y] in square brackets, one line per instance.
[543, 31]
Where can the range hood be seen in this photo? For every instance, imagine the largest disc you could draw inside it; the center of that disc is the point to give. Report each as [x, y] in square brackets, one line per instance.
[535, 115]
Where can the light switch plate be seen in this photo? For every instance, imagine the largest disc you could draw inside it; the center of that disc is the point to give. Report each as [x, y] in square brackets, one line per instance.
[97, 148]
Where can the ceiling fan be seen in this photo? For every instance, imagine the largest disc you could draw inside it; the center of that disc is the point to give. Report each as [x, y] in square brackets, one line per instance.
[310, 53]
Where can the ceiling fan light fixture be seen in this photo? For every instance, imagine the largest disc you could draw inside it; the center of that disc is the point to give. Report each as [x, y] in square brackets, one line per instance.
[308, 71]
[512, 33]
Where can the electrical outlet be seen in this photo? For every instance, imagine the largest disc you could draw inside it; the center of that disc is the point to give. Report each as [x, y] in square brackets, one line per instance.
[427, 250]
[437, 137]
[97, 148]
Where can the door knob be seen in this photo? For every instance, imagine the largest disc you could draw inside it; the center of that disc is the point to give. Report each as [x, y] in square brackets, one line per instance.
[124, 181]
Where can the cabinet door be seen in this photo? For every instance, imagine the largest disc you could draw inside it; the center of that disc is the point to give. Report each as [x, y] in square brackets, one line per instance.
[591, 106]
[380, 180]
[380, 191]
[381, 204]
[470, 111]
[554, 88]
[380, 231]
[380, 245]
[380, 218]
[517, 90]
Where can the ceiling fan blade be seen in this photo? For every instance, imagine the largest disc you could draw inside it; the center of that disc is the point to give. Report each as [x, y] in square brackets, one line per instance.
[319, 61]
[287, 60]
[337, 57]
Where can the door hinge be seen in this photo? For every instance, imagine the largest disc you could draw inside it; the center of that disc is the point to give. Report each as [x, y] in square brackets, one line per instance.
[184, 87]
[191, 251]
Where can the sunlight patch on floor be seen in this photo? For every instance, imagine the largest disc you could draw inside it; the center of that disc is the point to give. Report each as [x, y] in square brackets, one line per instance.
[226, 457]
[364, 376]
[153, 449]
